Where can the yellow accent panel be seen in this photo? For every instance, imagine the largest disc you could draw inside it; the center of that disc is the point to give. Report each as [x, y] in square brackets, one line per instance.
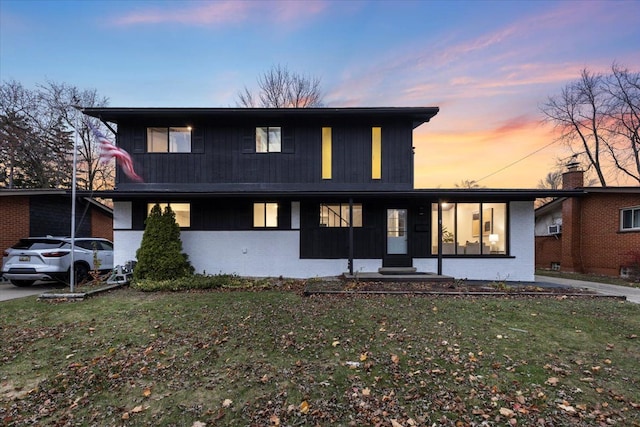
[326, 153]
[376, 153]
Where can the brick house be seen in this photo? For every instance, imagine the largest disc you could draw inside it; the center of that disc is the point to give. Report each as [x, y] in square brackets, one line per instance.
[48, 212]
[597, 232]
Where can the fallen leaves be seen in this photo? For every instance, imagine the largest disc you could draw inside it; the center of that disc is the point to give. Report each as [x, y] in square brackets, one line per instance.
[397, 362]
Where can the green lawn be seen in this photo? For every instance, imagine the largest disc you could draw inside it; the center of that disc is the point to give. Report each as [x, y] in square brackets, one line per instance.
[279, 358]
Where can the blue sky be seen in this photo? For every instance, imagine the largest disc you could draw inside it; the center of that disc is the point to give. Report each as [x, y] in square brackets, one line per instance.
[488, 65]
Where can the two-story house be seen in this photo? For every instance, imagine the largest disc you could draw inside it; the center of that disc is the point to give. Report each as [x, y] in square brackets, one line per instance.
[309, 192]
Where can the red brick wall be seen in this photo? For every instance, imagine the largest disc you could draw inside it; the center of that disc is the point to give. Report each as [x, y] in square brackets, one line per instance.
[603, 248]
[15, 220]
[571, 235]
[548, 250]
[101, 224]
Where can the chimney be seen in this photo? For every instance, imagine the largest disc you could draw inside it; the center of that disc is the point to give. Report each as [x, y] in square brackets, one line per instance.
[573, 178]
[571, 220]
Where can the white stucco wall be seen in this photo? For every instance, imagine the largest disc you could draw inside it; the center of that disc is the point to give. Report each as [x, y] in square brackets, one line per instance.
[246, 253]
[276, 252]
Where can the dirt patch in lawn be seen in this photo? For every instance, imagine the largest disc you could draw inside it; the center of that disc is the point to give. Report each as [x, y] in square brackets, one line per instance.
[457, 287]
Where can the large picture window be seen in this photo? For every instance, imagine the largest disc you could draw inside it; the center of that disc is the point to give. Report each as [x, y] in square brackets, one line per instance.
[265, 215]
[337, 215]
[169, 140]
[182, 211]
[268, 140]
[471, 228]
[630, 219]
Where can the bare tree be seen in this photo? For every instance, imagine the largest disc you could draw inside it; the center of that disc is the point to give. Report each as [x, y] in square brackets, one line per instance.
[623, 88]
[552, 181]
[34, 141]
[597, 118]
[468, 183]
[62, 99]
[281, 88]
[37, 135]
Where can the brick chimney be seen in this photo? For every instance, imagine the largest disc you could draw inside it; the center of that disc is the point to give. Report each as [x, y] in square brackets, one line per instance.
[573, 178]
[571, 221]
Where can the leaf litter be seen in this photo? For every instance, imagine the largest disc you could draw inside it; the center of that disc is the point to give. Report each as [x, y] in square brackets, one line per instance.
[278, 358]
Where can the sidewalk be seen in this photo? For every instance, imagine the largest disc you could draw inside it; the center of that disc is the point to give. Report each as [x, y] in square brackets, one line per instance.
[632, 294]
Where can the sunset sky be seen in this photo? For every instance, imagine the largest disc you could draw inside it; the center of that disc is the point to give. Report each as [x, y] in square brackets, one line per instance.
[488, 65]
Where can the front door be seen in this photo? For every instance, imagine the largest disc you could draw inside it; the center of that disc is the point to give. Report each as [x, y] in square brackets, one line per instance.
[397, 239]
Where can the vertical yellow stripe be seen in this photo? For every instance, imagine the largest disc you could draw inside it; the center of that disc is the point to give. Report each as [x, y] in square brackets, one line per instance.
[376, 153]
[326, 153]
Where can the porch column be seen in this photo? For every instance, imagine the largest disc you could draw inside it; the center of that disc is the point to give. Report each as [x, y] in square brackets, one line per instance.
[350, 236]
[439, 237]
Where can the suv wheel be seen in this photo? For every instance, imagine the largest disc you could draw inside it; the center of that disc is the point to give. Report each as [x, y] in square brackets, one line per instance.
[82, 272]
[22, 283]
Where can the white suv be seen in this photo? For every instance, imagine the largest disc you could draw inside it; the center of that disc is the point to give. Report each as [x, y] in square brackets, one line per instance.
[49, 258]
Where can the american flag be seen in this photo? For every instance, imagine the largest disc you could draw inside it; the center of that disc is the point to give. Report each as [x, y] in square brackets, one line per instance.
[109, 151]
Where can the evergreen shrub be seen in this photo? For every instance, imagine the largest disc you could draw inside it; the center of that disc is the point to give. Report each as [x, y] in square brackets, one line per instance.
[160, 255]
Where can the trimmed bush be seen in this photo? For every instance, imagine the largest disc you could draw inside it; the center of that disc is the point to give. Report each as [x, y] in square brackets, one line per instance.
[160, 255]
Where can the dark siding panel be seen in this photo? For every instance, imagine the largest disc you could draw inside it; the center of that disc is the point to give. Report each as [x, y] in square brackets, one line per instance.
[216, 214]
[225, 153]
[52, 216]
[332, 243]
[288, 139]
[139, 139]
[197, 140]
[248, 140]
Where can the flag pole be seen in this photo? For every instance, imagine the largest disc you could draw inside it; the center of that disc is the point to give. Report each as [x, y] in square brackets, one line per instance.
[72, 275]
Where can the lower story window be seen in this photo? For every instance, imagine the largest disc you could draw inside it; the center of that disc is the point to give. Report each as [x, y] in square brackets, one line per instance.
[182, 211]
[265, 215]
[337, 215]
[471, 228]
[630, 219]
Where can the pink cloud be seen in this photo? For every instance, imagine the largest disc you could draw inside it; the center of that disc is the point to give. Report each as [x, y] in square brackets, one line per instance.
[225, 12]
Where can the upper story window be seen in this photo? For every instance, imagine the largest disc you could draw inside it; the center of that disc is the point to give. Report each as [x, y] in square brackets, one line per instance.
[265, 215]
[376, 153]
[181, 210]
[169, 140]
[630, 219]
[337, 215]
[268, 139]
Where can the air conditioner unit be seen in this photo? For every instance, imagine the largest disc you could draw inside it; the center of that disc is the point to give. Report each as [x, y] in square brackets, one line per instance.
[555, 229]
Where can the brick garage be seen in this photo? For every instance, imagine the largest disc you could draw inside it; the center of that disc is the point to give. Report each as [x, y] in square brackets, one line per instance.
[48, 212]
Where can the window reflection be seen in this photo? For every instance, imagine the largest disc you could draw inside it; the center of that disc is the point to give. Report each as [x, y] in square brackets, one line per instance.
[471, 228]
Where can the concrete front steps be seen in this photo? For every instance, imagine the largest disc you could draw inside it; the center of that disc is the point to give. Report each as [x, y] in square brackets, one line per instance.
[397, 274]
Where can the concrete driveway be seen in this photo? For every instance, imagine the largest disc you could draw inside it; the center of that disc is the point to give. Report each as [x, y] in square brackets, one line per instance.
[9, 292]
[632, 294]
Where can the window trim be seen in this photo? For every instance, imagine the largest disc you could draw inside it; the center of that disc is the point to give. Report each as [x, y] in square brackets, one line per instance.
[326, 152]
[267, 131]
[162, 204]
[482, 240]
[343, 222]
[376, 153]
[632, 210]
[265, 216]
[167, 130]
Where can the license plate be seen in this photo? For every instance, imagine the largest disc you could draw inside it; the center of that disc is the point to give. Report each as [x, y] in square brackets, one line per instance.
[24, 258]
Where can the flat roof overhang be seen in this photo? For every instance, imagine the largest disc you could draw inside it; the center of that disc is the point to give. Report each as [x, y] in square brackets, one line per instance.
[418, 115]
[453, 195]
